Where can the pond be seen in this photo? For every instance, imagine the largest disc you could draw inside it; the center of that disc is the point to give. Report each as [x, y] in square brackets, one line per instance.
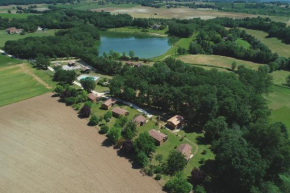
[144, 46]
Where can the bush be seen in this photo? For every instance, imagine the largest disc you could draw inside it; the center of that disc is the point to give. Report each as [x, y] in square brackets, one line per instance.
[178, 184]
[104, 129]
[149, 172]
[85, 111]
[89, 104]
[76, 106]
[58, 89]
[202, 161]
[107, 116]
[94, 120]
[88, 84]
[199, 189]
[142, 159]
[127, 146]
[70, 100]
[158, 177]
[121, 121]
[157, 170]
[114, 134]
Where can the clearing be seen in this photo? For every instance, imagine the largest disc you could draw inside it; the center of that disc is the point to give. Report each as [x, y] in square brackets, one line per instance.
[216, 61]
[50, 149]
[274, 44]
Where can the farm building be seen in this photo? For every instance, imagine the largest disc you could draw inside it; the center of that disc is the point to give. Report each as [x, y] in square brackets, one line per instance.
[175, 122]
[108, 103]
[119, 112]
[185, 149]
[139, 120]
[13, 30]
[160, 138]
[92, 97]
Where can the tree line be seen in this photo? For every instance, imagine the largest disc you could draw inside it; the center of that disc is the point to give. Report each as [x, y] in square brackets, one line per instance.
[27, 2]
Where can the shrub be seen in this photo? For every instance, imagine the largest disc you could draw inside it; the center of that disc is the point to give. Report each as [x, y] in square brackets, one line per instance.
[58, 89]
[94, 120]
[157, 170]
[158, 177]
[89, 104]
[76, 106]
[104, 129]
[127, 146]
[85, 111]
[178, 184]
[199, 189]
[142, 159]
[70, 100]
[114, 134]
[107, 116]
[88, 84]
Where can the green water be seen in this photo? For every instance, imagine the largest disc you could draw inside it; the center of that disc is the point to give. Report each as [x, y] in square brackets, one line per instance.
[144, 46]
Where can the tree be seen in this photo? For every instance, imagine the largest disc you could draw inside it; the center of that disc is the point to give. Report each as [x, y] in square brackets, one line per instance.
[114, 134]
[88, 83]
[175, 163]
[234, 65]
[197, 176]
[58, 89]
[121, 121]
[104, 129]
[64, 76]
[131, 54]
[85, 111]
[94, 120]
[214, 128]
[142, 159]
[288, 80]
[130, 130]
[199, 189]
[107, 116]
[145, 143]
[9, 11]
[159, 158]
[178, 184]
[42, 62]
[128, 146]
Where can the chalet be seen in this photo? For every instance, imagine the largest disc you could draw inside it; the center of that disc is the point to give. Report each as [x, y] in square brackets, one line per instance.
[175, 122]
[119, 112]
[160, 138]
[13, 30]
[108, 103]
[85, 70]
[129, 63]
[186, 150]
[92, 97]
[139, 120]
[71, 63]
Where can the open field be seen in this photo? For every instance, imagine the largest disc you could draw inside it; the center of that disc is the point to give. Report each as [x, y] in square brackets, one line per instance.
[243, 43]
[6, 61]
[273, 43]
[5, 37]
[182, 13]
[279, 76]
[18, 83]
[94, 5]
[215, 60]
[49, 149]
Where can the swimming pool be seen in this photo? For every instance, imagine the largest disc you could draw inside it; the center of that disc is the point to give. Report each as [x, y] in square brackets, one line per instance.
[85, 76]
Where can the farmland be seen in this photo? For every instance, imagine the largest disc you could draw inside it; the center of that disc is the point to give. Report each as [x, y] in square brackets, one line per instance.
[51, 149]
[273, 43]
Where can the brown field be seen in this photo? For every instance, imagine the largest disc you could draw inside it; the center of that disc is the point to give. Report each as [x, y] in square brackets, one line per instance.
[182, 13]
[45, 147]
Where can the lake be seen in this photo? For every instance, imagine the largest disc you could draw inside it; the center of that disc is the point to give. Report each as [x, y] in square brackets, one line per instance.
[144, 46]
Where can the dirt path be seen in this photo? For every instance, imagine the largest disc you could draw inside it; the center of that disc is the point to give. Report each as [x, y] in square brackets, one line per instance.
[45, 147]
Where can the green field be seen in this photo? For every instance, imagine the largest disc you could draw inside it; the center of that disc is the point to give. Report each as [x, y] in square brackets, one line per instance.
[139, 30]
[273, 43]
[6, 61]
[94, 5]
[16, 85]
[15, 15]
[243, 43]
[279, 76]
[5, 37]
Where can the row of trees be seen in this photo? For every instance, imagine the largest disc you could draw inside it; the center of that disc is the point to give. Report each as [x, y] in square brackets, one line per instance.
[27, 2]
[232, 112]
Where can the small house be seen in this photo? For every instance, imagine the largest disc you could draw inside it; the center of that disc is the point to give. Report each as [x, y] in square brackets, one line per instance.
[160, 138]
[71, 63]
[175, 122]
[108, 103]
[92, 97]
[139, 120]
[185, 149]
[85, 70]
[13, 30]
[39, 28]
[129, 63]
[156, 26]
[138, 65]
[119, 112]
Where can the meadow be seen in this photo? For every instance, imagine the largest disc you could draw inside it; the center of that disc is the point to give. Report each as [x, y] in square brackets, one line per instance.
[94, 5]
[274, 44]
[6, 61]
[6, 37]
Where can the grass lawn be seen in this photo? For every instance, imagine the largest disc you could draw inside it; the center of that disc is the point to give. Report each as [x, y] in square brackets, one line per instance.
[218, 61]
[5, 37]
[243, 43]
[6, 61]
[139, 30]
[15, 15]
[279, 76]
[274, 44]
[17, 85]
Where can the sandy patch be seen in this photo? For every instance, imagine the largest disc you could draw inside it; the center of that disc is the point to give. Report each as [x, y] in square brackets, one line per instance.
[45, 147]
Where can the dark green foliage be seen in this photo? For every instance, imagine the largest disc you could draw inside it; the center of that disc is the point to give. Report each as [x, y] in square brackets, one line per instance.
[159, 158]
[158, 177]
[175, 163]
[70, 100]
[85, 111]
[214, 128]
[178, 184]
[128, 146]
[145, 143]
[107, 116]
[89, 104]
[197, 176]
[27, 2]
[104, 129]
[121, 121]
[142, 159]
[58, 89]
[94, 120]
[64, 76]
[88, 84]
[42, 62]
[158, 169]
[199, 189]
[288, 80]
[114, 134]
[130, 130]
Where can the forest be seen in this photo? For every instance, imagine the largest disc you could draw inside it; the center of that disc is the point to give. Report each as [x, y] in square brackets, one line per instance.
[27, 2]
[230, 110]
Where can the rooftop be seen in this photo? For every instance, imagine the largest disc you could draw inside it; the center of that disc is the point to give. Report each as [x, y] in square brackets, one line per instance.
[157, 135]
[119, 111]
[109, 102]
[176, 119]
[185, 149]
[139, 119]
